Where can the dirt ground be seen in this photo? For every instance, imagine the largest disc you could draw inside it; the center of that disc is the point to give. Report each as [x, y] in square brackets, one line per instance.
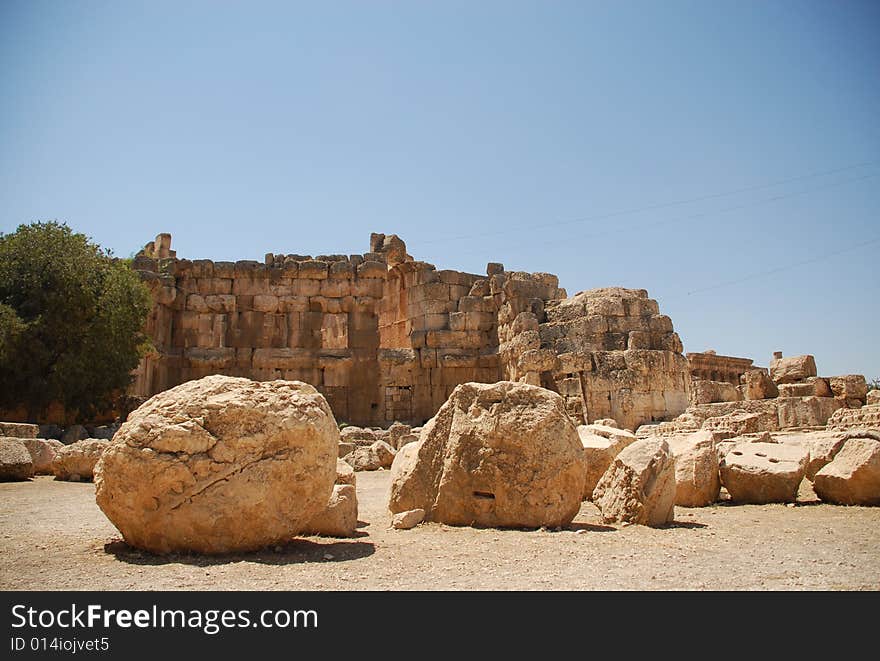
[54, 537]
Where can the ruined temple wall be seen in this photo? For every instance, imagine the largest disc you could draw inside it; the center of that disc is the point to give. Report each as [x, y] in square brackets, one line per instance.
[381, 342]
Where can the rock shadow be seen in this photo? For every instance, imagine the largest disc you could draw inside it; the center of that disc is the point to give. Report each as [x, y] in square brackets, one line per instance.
[590, 527]
[689, 525]
[296, 551]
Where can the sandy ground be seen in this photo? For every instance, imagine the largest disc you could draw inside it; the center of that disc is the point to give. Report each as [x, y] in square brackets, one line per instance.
[54, 537]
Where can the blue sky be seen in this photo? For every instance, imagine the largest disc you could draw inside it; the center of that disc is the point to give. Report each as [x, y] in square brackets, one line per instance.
[723, 155]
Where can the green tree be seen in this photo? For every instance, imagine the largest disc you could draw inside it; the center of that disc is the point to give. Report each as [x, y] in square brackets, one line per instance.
[71, 320]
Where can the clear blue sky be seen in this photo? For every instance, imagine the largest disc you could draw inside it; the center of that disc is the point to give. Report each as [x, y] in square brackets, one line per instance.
[551, 136]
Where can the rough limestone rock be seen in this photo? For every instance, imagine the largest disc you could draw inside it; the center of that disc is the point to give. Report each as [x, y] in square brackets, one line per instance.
[764, 472]
[600, 449]
[15, 460]
[866, 417]
[873, 396]
[758, 385]
[371, 458]
[408, 519]
[357, 436]
[853, 476]
[849, 387]
[42, 451]
[607, 422]
[345, 448]
[18, 430]
[345, 473]
[792, 369]
[220, 464]
[821, 445]
[708, 392]
[741, 422]
[396, 432]
[77, 461]
[496, 454]
[639, 486]
[339, 518]
[697, 479]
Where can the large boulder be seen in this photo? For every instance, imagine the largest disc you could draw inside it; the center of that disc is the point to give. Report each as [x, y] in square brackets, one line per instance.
[639, 486]
[339, 517]
[220, 464]
[758, 385]
[850, 388]
[77, 461]
[496, 454]
[357, 436]
[396, 432]
[764, 472]
[853, 476]
[42, 451]
[18, 430]
[372, 457]
[792, 369]
[873, 396]
[15, 460]
[697, 480]
[601, 445]
[822, 447]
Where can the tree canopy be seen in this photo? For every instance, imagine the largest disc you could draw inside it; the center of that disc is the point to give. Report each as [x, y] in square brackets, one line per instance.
[71, 320]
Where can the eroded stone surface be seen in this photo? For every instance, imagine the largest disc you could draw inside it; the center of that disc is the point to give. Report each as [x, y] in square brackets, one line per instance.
[764, 472]
[502, 454]
[220, 464]
[639, 486]
[77, 461]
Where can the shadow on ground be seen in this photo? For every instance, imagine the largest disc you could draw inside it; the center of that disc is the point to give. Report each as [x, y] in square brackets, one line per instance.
[296, 551]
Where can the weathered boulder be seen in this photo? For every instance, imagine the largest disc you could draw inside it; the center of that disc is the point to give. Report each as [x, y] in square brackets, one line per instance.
[600, 449]
[77, 461]
[849, 387]
[220, 464]
[873, 396]
[822, 446]
[496, 454]
[697, 480]
[805, 411]
[345, 473]
[708, 392]
[345, 448]
[42, 451]
[18, 430]
[742, 422]
[408, 519]
[853, 476]
[372, 457]
[15, 460]
[758, 385]
[763, 472]
[339, 517]
[792, 369]
[639, 486]
[607, 422]
[396, 432]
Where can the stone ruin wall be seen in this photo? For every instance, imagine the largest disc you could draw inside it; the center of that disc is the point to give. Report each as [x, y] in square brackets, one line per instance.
[385, 337]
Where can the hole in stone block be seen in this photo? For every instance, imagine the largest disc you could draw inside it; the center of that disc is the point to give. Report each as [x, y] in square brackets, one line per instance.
[484, 495]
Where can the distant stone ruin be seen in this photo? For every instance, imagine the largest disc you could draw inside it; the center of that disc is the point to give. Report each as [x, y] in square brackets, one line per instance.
[387, 338]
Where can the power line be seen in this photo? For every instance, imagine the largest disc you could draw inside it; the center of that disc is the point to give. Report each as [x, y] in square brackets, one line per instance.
[703, 214]
[654, 207]
[786, 267]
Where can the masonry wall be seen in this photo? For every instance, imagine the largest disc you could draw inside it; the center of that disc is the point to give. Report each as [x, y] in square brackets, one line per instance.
[385, 337]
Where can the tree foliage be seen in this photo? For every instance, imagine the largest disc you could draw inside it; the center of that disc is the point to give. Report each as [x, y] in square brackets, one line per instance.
[71, 320]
